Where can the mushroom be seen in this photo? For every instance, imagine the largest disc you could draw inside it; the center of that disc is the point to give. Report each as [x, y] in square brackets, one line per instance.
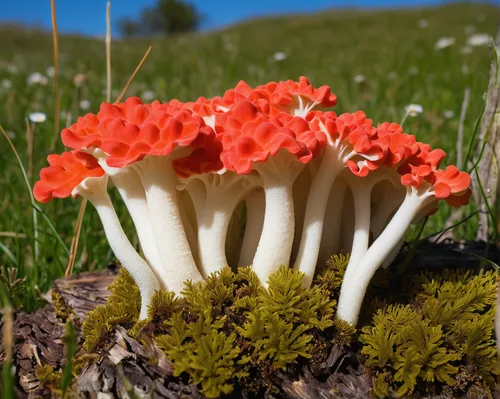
[77, 173]
[277, 148]
[150, 140]
[425, 186]
[351, 142]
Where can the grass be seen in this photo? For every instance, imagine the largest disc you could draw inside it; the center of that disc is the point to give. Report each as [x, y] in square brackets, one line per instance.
[396, 57]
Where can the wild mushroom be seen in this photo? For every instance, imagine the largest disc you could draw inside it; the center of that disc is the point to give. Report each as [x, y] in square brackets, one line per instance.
[149, 141]
[87, 135]
[77, 173]
[350, 143]
[277, 148]
[215, 192]
[425, 187]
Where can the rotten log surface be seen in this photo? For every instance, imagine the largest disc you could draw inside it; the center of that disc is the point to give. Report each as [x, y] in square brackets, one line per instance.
[128, 365]
[38, 335]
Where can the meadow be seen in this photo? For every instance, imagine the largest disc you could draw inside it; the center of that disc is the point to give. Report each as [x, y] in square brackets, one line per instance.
[377, 61]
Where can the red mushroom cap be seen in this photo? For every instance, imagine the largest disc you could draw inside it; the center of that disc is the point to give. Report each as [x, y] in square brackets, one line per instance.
[83, 134]
[140, 130]
[253, 137]
[66, 171]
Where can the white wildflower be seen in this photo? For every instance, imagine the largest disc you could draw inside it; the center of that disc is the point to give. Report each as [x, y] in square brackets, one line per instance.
[466, 50]
[6, 84]
[465, 69]
[37, 117]
[469, 29]
[413, 70]
[359, 78]
[392, 75]
[12, 69]
[444, 42]
[423, 23]
[51, 71]
[85, 104]
[414, 109]
[479, 39]
[279, 56]
[37, 78]
[448, 114]
[148, 95]
[79, 79]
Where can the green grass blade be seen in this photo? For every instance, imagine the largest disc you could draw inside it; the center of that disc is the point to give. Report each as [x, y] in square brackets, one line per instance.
[52, 227]
[28, 186]
[8, 252]
[70, 341]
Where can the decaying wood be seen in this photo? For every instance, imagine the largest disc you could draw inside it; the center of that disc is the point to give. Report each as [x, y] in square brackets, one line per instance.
[489, 149]
[38, 335]
[127, 368]
[456, 213]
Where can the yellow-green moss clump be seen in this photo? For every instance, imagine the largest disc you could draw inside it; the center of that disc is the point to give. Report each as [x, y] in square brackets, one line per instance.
[229, 331]
[122, 308]
[229, 328]
[443, 338]
[235, 330]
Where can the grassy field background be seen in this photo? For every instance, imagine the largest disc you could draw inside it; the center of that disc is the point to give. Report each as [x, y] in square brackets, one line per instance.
[392, 50]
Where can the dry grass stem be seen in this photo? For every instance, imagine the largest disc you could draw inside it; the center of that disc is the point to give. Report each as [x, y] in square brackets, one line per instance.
[76, 238]
[108, 51]
[7, 331]
[56, 76]
[122, 94]
[456, 213]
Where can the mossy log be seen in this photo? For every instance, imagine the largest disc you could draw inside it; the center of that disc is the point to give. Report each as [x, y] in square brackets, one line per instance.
[128, 368]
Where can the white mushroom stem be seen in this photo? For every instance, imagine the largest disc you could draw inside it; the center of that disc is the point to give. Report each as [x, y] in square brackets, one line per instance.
[381, 216]
[312, 230]
[129, 185]
[159, 181]
[255, 208]
[301, 188]
[362, 193]
[354, 286]
[188, 217]
[275, 245]
[215, 197]
[330, 240]
[94, 189]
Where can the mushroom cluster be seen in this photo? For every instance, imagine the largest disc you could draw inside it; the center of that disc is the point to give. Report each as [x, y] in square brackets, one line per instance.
[314, 183]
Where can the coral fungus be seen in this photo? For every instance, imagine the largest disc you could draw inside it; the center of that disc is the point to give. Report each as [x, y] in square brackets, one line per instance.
[315, 183]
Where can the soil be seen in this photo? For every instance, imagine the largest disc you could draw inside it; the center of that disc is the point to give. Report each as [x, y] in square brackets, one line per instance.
[127, 366]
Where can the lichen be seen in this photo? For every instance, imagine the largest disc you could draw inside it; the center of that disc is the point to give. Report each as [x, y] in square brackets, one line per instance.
[443, 337]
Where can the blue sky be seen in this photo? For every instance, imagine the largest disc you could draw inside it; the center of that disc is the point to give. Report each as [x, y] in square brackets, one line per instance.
[88, 16]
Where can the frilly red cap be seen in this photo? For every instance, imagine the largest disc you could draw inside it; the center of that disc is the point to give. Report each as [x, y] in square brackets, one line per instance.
[449, 184]
[254, 137]
[66, 171]
[452, 186]
[274, 97]
[83, 134]
[137, 130]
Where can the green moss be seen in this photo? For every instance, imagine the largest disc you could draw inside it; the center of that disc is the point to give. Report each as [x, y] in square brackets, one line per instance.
[48, 377]
[61, 309]
[122, 308]
[232, 329]
[444, 337]
[433, 334]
